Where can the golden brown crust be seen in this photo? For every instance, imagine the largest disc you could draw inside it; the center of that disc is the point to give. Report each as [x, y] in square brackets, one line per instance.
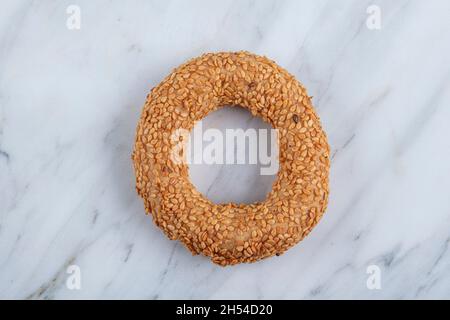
[233, 233]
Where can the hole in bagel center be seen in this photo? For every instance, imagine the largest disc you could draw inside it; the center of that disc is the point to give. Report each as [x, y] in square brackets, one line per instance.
[233, 156]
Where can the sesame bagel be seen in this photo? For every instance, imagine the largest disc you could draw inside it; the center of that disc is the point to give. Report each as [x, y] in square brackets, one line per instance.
[232, 233]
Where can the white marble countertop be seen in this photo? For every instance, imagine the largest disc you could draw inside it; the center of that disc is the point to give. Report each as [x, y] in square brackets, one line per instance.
[70, 100]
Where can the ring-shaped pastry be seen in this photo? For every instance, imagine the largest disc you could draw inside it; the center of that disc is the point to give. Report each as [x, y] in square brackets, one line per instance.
[232, 233]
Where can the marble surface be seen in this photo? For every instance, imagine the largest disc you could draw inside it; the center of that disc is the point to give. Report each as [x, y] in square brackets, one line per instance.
[70, 100]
